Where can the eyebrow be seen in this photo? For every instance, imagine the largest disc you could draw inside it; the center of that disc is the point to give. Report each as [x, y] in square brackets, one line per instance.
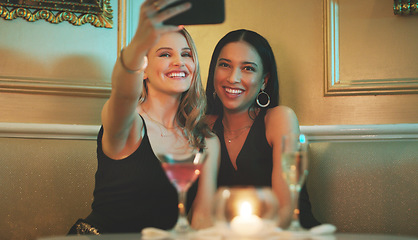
[168, 48]
[227, 60]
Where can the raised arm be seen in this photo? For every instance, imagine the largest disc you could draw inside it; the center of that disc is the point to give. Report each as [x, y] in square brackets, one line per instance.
[280, 121]
[121, 122]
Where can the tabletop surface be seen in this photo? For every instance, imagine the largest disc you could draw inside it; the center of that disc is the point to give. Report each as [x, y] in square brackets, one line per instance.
[337, 236]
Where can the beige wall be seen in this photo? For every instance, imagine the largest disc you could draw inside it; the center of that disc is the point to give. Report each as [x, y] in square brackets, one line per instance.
[45, 68]
[79, 59]
[295, 30]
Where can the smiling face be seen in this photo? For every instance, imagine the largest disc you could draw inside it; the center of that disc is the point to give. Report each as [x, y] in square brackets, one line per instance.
[170, 65]
[238, 76]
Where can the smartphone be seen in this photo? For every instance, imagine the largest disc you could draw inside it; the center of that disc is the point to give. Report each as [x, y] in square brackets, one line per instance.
[201, 12]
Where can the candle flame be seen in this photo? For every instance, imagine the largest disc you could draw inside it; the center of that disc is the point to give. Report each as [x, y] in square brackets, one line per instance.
[245, 209]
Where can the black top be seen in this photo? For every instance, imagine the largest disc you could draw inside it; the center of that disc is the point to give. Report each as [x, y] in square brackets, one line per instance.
[132, 193]
[255, 165]
[254, 161]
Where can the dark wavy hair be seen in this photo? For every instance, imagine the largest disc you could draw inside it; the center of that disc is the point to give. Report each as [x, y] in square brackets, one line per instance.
[263, 48]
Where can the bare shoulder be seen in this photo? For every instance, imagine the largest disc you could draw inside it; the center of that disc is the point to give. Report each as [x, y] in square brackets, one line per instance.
[280, 120]
[212, 141]
[213, 147]
[279, 114]
[210, 120]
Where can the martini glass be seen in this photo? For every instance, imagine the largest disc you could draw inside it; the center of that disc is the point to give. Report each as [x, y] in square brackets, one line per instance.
[294, 170]
[182, 171]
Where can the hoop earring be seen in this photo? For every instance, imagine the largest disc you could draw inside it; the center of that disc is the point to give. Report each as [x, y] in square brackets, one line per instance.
[258, 101]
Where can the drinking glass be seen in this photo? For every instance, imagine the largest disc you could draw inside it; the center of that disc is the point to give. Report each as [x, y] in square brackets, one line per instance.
[294, 170]
[245, 212]
[182, 171]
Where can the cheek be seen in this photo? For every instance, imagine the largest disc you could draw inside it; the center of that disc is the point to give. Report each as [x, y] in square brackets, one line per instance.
[256, 84]
[255, 80]
[252, 83]
[251, 79]
[155, 67]
[190, 65]
[217, 77]
[219, 74]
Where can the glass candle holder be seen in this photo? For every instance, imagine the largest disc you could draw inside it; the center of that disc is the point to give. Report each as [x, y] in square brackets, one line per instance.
[245, 211]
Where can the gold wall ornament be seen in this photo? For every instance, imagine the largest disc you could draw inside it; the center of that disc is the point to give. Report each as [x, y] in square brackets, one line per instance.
[98, 13]
[405, 7]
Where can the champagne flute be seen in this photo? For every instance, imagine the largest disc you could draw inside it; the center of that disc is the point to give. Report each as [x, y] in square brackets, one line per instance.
[182, 171]
[294, 170]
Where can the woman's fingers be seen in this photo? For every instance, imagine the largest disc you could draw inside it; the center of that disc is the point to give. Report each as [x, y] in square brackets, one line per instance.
[173, 11]
[158, 13]
[152, 15]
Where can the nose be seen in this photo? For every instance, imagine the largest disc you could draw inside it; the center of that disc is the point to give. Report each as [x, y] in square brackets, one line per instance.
[178, 61]
[235, 76]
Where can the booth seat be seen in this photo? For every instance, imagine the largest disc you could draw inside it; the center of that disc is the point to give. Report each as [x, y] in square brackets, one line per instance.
[359, 186]
[365, 186]
[45, 186]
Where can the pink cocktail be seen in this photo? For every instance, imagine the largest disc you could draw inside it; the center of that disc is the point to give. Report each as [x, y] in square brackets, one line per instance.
[182, 172]
[182, 175]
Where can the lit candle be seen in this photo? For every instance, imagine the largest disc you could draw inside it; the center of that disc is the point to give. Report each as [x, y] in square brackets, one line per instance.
[246, 223]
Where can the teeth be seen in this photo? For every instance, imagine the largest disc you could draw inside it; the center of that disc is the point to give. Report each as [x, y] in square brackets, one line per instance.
[233, 91]
[177, 74]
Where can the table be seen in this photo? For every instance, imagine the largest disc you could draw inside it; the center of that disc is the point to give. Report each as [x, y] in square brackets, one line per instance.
[337, 236]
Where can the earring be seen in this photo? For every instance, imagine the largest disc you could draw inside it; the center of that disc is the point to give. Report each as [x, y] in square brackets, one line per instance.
[258, 101]
[214, 95]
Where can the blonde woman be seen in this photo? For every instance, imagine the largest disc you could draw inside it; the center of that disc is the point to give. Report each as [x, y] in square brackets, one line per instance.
[156, 106]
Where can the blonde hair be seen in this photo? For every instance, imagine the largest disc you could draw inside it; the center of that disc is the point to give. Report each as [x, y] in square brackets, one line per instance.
[191, 111]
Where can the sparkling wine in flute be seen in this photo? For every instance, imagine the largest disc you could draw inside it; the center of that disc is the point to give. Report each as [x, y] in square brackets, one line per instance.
[294, 169]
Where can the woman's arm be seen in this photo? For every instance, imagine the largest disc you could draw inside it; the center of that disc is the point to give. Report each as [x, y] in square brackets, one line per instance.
[120, 120]
[203, 203]
[280, 121]
[121, 123]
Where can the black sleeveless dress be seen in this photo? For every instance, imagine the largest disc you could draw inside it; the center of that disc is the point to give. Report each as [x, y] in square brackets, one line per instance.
[255, 165]
[254, 161]
[132, 193]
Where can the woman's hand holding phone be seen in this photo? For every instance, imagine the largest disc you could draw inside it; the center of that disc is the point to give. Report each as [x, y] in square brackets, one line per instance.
[151, 18]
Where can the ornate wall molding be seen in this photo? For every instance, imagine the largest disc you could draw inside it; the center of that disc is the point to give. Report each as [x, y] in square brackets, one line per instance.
[98, 13]
[126, 26]
[53, 87]
[405, 7]
[334, 84]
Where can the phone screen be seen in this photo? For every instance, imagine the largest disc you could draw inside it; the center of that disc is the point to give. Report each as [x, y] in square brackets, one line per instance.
[201, 12]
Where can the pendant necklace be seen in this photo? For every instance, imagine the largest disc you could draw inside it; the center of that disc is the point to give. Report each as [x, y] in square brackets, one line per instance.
[240, 132]
[234, 137]
[160, 125]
